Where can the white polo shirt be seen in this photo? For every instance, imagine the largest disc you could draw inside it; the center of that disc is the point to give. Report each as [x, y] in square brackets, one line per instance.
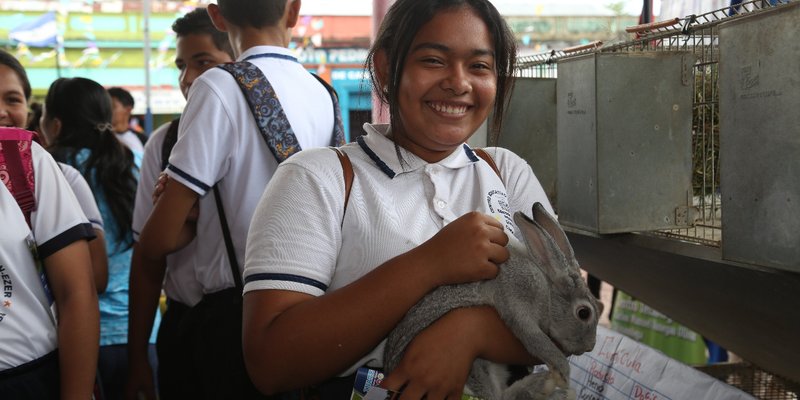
[298, 241]
[179, 282]
[84, 195]
[131, 141]
[219, 143]
[26, 329]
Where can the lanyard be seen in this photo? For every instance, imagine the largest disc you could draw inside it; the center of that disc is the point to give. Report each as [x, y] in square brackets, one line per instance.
[271, 55]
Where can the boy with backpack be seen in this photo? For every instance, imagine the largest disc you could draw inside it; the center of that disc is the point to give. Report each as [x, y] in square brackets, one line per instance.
[240, 122]
[199, 47]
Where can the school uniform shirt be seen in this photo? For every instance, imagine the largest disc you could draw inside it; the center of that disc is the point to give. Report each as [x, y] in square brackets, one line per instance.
[84, 195]
[219, 143]
[179, 281]
[131, 141]
[114, 300]
[300, 241]
[27, 331]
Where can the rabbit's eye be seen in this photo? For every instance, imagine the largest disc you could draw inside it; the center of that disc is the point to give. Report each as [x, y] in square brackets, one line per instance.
[584, 313]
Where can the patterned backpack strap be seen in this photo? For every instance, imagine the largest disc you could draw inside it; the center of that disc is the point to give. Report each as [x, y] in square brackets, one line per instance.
[266, 109]
[337, 138]
[16, 168]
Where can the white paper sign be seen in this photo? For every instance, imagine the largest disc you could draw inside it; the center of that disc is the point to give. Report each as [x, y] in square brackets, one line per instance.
[620, 368]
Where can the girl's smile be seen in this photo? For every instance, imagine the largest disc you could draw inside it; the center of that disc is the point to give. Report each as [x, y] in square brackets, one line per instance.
[448, 84]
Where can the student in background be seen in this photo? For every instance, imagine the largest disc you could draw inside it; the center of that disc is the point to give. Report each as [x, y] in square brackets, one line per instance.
[122, 105]
[199, 47]
[222, 160]
[83, 193]
[42, 357]
[77, 118]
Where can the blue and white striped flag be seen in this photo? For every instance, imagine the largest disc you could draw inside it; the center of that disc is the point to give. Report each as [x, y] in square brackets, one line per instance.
[41, 32]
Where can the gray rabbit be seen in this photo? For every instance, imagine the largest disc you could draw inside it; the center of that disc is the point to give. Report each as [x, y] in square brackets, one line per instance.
[540, 295]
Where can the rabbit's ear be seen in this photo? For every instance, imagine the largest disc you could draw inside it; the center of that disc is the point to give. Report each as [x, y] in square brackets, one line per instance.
[545, 240]
[553, 229]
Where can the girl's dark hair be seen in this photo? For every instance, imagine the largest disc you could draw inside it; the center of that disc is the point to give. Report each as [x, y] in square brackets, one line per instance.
[84, 109]
[399, 27]
[11, 62]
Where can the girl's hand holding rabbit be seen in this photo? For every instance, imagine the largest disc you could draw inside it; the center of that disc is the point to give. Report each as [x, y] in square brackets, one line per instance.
[465, 250]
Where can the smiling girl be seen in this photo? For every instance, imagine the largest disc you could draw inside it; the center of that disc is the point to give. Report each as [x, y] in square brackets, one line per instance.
[328, 273]
[44, 355]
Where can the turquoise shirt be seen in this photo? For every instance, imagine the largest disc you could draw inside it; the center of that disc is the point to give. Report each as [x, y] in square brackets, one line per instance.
[114, 301]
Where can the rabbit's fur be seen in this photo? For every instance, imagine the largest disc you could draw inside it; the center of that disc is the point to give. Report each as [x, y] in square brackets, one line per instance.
[540, 295]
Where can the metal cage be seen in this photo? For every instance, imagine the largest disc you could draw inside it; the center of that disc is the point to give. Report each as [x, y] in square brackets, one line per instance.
[697, 34]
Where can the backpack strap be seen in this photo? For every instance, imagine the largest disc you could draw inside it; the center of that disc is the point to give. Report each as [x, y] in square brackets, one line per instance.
[489, 160]
[16, 168]
[268, 112]
[349, 175]
[169, 142]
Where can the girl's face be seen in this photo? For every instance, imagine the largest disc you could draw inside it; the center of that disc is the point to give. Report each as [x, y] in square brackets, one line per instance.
[448, 86]
[13, 104]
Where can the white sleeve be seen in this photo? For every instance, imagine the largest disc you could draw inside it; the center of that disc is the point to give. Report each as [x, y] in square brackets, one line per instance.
[295, 234]
[58, 220]
[148, 174]
[83, 193]
[206, 136]
[522, 186]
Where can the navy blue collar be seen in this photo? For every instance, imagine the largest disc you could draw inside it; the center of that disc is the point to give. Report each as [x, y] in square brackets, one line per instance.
[271, 55]
[388, 170]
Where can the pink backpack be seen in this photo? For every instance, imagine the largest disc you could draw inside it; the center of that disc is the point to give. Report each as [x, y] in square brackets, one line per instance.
[16, 167]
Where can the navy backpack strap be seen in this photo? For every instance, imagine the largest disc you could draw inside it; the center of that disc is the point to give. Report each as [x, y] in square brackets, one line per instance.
[169, 142]
[338, 127]
[266, 109]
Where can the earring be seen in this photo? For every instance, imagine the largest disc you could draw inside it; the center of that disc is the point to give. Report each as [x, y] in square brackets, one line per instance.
[385, 89]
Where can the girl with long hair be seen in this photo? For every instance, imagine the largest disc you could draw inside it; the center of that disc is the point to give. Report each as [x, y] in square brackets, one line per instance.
[77, 122]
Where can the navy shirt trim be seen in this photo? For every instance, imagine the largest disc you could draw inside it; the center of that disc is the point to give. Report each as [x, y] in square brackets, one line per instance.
[287, 278]
[377, 160]
[66, 238]
[191, 179]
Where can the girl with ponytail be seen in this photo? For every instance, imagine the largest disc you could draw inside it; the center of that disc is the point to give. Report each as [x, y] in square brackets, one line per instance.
[77, 122]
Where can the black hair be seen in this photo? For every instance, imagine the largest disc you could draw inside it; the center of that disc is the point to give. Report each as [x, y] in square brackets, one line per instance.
[11, 62]
[84, 108]
[252, 13]
[34, 116]
[122, 95]
[197, 22]
[399, 28]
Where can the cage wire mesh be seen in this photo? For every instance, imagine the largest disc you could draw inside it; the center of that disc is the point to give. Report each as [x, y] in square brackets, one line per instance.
[698, 34]
[753, 380]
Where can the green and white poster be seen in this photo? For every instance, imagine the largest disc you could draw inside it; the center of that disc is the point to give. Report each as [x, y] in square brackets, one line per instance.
[642, 323]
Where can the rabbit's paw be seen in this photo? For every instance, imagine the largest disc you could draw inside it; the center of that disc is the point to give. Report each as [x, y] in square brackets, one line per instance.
[562, 394]
[559, 380]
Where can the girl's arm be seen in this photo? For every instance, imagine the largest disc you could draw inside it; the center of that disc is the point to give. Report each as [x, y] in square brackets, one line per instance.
[97, 250]
[69, 272]
[143, 298]
[437, 362]
[293, 340]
